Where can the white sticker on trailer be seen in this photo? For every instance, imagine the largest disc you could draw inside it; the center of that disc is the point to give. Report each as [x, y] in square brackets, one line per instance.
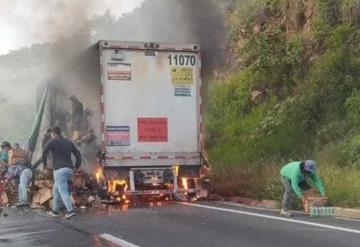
[119, 71]
[118, 135]
[184, 91]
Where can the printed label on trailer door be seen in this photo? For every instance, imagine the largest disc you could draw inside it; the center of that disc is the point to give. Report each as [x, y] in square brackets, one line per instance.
[118, 136]
[184, 91]
[182, 76]
[119, 71]
[152, 129]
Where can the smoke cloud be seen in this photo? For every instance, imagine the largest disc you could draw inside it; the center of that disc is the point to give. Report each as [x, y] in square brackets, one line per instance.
[70, 59]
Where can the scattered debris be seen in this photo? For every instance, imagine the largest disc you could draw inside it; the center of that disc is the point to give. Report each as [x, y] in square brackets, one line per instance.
[42, 196]
[3, 198]
[3, 195]
[11, 193]
[322, 212]
[41, 190]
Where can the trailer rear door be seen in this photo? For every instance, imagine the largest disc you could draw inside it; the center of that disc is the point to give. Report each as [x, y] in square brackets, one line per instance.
[150, 103]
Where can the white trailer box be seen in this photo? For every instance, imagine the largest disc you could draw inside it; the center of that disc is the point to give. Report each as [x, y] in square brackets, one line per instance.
[150, 105]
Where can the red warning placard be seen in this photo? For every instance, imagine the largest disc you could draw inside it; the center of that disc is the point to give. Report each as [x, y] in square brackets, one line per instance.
[152, 129]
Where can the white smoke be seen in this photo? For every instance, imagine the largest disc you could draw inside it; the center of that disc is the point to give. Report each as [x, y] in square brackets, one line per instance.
[27, 22]
[70, 28]
[31, 24]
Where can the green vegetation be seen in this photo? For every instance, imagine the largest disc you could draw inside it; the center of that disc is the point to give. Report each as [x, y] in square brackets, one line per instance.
[304, 60]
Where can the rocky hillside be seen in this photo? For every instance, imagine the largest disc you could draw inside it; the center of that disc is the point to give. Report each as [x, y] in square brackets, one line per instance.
[291, 91]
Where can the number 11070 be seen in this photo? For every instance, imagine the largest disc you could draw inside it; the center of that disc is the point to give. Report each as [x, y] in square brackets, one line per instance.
[187, 60]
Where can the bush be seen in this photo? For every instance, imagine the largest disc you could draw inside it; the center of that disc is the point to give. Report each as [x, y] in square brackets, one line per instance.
[251, 181]
[353, 108]
[344, 153]
[342, 185]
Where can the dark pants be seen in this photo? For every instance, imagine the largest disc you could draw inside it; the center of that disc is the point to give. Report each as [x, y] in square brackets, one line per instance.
[288, 191]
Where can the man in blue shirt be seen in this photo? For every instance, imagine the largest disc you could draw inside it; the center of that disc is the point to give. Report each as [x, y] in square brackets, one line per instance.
[61, 150]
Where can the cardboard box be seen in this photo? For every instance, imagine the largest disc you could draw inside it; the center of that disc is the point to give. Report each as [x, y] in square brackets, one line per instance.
[17, 155]
[42, 196]
[314, 202]
[43, 184]
[78, 180]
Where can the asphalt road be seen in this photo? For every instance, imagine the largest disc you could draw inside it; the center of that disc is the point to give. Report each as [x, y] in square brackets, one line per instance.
[172, 224]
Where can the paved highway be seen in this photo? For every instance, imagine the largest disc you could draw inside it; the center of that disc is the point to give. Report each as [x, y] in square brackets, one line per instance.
[205, 224]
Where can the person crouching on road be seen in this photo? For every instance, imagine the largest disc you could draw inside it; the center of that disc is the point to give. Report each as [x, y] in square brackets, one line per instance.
[293, 177]
[21, 172]
[61, 149]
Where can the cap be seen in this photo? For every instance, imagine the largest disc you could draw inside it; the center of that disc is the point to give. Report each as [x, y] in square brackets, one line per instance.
[310, 166]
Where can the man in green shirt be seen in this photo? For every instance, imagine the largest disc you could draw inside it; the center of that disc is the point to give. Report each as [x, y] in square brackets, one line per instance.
[293, 177]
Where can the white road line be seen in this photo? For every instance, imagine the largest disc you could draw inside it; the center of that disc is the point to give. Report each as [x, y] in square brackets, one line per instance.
[117, 241]
[347, 219]
[239, 205]
[274, 218]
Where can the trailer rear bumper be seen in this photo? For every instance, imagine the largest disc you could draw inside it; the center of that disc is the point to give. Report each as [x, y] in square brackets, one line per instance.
[159, 192]
[148, 192]
[153, 161]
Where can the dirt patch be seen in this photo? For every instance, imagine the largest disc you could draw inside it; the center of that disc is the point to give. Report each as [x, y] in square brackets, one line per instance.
[254, 203]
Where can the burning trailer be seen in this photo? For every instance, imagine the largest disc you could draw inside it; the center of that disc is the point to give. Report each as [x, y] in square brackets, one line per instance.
[134, 111]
